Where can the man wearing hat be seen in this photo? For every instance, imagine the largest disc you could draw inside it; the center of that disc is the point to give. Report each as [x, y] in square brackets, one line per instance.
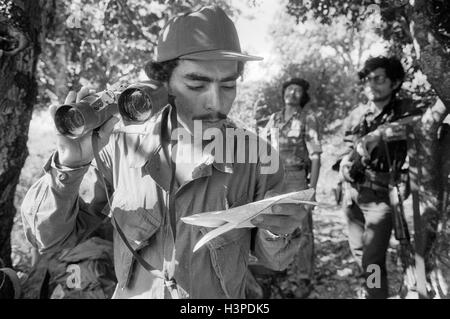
[151, 183]
[300, 149]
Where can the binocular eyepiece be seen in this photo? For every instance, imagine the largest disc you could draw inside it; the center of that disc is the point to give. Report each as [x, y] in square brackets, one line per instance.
[135, 103]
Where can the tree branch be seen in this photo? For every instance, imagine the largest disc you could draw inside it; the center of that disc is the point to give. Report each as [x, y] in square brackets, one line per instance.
[126, 10]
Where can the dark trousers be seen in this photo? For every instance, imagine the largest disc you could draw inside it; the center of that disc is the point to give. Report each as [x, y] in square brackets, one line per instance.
[304, 259]
[369, 219]
[295, 180]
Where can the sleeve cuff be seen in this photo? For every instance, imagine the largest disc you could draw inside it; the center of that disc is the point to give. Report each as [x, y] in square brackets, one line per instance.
[63, 174]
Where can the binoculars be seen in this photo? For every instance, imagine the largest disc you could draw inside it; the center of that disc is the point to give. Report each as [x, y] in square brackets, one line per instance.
[135, 103]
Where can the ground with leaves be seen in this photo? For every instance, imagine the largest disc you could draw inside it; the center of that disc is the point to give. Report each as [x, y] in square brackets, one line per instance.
[336, 273]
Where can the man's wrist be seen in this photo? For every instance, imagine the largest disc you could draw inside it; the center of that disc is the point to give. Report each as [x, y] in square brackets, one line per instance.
[274, 236]
[60, 165]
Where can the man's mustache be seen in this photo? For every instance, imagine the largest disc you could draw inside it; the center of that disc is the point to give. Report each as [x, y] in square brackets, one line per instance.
[210, 117]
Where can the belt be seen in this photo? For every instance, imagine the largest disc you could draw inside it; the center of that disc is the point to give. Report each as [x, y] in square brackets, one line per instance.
[374, 186]
[381, 178]
[298, 167]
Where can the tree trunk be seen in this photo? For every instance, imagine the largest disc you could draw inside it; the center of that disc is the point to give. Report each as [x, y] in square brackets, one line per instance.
[435, 64]
[24, 22]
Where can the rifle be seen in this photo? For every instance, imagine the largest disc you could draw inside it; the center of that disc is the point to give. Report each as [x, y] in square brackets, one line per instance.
[413, 274]
[401, 231]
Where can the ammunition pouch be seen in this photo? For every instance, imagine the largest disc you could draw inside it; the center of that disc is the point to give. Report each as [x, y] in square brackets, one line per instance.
[377, 181]
[377, 187]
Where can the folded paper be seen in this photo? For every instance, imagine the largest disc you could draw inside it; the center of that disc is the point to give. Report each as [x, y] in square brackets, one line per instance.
[240, 217]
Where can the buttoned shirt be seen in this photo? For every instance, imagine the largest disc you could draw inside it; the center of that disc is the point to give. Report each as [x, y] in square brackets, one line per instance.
[299, 136]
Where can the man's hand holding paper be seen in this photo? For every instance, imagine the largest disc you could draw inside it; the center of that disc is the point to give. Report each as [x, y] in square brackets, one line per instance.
[280, 214]
[283, 218]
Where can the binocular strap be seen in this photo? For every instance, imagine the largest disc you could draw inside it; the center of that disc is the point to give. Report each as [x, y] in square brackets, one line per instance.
[170, 283]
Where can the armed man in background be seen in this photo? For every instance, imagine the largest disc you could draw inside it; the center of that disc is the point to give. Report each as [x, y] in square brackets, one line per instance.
[374, 160]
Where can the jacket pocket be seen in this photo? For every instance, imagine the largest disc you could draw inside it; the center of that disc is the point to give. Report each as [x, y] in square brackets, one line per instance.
[138, 225]
[229, 256]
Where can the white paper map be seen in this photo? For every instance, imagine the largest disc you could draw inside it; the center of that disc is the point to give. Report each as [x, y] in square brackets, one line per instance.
[240, 217]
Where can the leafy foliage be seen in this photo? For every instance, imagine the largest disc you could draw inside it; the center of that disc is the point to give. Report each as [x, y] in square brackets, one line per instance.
[388, 19]
[394, 16]
[96, 43]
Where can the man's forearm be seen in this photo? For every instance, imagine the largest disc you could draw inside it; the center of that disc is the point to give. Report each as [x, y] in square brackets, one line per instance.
[50, 209]
[315, 171]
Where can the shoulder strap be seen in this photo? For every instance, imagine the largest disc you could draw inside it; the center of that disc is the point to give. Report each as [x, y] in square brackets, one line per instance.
[141, 261]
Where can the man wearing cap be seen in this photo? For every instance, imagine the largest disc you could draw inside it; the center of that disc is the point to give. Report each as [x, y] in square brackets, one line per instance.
[151, 182]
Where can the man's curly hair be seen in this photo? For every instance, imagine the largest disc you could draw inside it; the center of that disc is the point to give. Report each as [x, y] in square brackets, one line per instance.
[392, 65]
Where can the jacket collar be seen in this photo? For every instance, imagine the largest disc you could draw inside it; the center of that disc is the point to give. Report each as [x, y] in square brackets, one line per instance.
[151, 150]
